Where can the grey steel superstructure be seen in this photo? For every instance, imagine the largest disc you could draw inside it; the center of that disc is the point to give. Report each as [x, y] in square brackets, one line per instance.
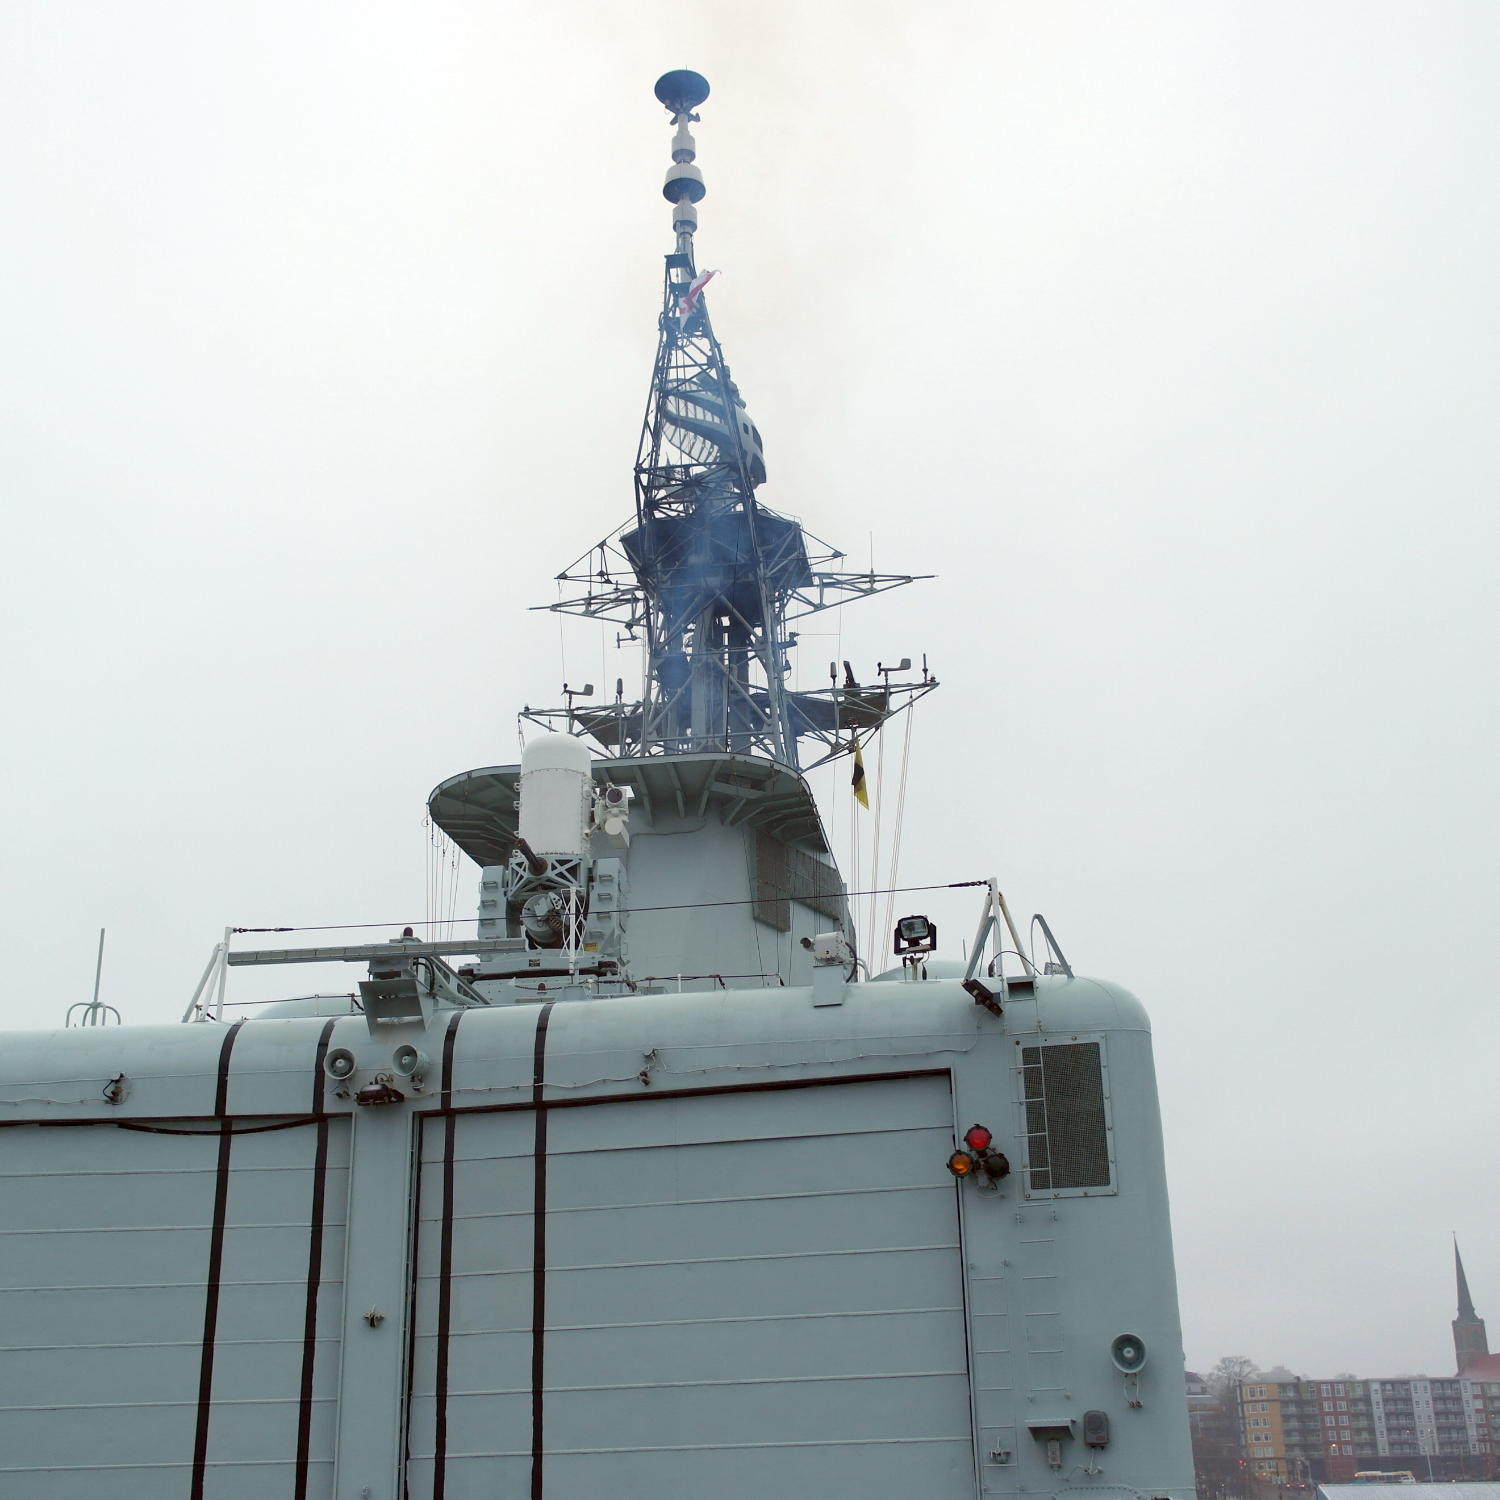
[642, 1190]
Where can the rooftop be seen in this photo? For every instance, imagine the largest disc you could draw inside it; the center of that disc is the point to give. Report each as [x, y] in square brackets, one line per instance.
[1461, 1490]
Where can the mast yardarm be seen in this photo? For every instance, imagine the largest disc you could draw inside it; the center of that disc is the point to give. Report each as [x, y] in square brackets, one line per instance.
[706, 576]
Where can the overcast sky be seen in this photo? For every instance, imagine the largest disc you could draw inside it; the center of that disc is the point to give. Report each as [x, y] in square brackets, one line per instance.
[1165, 333]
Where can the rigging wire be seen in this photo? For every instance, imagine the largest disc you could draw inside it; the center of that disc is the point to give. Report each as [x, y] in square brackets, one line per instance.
[804, 897]
[453, 883]
[900, 821]
[427, 867]
[854, 842]
[879, 816]
[834, 799]
[441, 871]
[879, 807]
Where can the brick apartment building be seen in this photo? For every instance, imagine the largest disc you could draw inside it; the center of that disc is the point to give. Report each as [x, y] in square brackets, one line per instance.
[1446, 1428]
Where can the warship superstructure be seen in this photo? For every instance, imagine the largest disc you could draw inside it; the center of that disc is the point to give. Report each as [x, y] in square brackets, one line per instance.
[646, 1185]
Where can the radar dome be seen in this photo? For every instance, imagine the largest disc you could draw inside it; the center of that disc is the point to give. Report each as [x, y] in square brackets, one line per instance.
[682, 90]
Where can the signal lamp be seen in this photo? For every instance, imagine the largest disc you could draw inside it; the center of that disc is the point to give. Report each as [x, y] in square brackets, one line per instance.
[977, 1137]
[996, 1165]
[961, 1163]
[983, 995]
[379, 1092]
[915, 935]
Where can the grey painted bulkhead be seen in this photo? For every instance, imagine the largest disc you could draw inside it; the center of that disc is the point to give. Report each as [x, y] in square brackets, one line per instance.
[709, 833]
[752, 1276]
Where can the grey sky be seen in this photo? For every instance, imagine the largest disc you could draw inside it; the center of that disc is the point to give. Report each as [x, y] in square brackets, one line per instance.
[1164, 333]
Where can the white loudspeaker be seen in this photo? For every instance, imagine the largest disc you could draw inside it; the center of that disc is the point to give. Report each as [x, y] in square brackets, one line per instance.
[408, 1061]
[340, 1063]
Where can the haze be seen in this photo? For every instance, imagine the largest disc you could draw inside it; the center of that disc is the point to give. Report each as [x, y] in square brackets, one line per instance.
[1164, 333]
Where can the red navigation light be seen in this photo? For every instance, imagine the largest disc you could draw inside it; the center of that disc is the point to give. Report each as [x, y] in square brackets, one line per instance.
[960, 1163]
[978, 1138]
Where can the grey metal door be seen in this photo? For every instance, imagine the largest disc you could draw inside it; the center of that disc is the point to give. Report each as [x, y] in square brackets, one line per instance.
[170, 1309]
[740, 1294]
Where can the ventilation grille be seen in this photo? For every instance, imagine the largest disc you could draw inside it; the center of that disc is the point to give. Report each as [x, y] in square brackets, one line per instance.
[783, 875]
[1067, 1141]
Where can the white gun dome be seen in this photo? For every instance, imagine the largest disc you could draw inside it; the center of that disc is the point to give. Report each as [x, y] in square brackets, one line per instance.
[556, 793]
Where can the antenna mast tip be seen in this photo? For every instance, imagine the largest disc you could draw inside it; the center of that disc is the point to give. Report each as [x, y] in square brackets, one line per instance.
[682, 90]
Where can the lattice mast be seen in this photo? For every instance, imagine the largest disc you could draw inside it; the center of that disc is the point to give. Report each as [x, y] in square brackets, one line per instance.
[706, 575]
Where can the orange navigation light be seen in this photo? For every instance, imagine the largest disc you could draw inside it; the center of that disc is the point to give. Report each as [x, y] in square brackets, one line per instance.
[978, 1137]
[960, 1163]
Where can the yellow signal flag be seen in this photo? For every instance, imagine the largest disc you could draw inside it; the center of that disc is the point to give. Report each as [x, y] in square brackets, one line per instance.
[857, 780]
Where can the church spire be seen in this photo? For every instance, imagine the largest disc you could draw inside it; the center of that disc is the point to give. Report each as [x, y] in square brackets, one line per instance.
[1470, 1342]
[1465, 1301]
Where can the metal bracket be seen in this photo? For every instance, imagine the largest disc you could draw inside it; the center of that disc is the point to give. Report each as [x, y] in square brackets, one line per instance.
[829, 982]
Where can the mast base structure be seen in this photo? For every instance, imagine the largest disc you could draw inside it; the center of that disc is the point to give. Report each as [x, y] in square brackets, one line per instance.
[646, 1188]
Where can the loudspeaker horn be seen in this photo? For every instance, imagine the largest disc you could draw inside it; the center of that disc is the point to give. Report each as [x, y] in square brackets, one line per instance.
[340, 1063]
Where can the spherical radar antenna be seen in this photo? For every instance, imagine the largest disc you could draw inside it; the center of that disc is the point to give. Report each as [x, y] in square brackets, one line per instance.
[682, 90]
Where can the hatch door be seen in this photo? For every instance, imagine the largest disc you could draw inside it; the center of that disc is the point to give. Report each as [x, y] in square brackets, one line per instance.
[742, 1294]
